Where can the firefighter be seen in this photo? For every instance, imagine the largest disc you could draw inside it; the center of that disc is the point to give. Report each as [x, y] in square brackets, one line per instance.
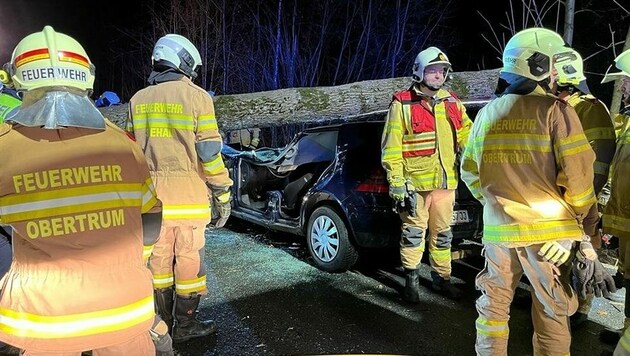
[10, 101]
[78, 200]
[530, 165]
[570, 86]
[173, 120]
[426, 126]
[616, 217]
[244, 138]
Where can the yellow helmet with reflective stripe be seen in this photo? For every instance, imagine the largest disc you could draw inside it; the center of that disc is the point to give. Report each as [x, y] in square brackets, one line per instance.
[50, 59]
[529, 53]
[622, 62]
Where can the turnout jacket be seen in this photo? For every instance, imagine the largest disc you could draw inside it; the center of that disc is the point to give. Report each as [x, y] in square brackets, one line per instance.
[530, 164]
[616, 218]
[175, 124]
[74, 197]
[599, 131]
[422, 137]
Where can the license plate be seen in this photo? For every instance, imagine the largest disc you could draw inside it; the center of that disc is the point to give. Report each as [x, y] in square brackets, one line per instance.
[460, 217]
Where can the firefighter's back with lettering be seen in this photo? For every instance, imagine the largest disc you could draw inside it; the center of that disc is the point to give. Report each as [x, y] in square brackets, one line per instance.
[74, 192]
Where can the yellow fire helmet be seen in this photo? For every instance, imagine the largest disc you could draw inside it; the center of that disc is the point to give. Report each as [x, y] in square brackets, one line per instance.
[622, 62]
[431, 55]
[570, 68]
[529, 53]
[51, 59]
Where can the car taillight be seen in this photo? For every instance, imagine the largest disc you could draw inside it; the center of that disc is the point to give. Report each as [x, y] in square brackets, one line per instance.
[375, 183]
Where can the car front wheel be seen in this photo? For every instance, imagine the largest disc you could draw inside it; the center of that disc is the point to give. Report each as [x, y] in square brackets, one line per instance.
[328, 241]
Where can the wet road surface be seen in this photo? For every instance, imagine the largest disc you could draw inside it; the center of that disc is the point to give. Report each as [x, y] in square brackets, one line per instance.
[268, 300]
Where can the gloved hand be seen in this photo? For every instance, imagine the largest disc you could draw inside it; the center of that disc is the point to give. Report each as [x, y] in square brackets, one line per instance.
[254, 143]
[221, 204]
[161, 338]
[556, 252]
[589, 276]
[412, 198]
[397, 189]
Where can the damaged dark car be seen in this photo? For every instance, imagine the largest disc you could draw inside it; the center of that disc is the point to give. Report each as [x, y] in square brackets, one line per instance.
[328, 185]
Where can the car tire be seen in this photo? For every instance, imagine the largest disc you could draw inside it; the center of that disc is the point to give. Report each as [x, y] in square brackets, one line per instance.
[328, 241]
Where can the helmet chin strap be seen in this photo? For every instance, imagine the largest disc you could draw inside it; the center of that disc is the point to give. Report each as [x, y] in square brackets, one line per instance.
[432, 88]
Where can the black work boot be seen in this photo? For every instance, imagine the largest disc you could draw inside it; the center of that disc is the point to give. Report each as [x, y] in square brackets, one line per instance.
[411, 293]
[164, 305]
[186, 324]
[444, 287]
[577, 320]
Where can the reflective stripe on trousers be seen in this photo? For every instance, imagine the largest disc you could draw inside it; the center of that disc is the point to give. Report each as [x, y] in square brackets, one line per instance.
[553, 300]
[435, 211]
[177, 259]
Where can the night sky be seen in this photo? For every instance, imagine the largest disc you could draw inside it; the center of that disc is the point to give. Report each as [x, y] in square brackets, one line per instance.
[104, 30]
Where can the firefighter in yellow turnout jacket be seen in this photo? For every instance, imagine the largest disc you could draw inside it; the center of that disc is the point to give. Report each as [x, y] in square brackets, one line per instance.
[77, 204]
[530, 164]
[616, 217]
[570, 86]
[173, 120]
[425, 128]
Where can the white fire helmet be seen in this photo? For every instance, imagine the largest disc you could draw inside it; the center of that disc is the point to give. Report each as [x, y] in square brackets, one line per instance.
[177, 52]
[431, 55]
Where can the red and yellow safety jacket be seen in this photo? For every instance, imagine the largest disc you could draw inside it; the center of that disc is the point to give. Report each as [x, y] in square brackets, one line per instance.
[616, 218]
[599, 131]
[529, 163]
[175, 124]
[421, 138]
[74, 198]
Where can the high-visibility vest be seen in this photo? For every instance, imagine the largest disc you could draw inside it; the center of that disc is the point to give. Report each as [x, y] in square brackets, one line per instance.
[421, 139]
[8, 106]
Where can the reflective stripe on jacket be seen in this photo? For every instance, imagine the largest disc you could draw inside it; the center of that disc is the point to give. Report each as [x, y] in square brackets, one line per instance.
[599, 131]
[169, 120]
[616, 218]
[421, 138]
[529, 163]
[78, 280]
[8, 106]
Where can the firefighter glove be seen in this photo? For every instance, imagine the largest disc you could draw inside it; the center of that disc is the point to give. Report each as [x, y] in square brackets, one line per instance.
[397, 189]
[161, 338]
[589, 275]
[222, 206]
[254, 143]
[411, 199]
[556, 252]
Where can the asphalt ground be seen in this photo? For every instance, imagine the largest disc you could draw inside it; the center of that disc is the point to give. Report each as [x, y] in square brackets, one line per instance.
[268, 299]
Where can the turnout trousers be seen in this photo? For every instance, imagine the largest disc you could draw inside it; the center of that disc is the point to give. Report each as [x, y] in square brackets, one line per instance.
[434, 210]
[553, 300]
[178, 259]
